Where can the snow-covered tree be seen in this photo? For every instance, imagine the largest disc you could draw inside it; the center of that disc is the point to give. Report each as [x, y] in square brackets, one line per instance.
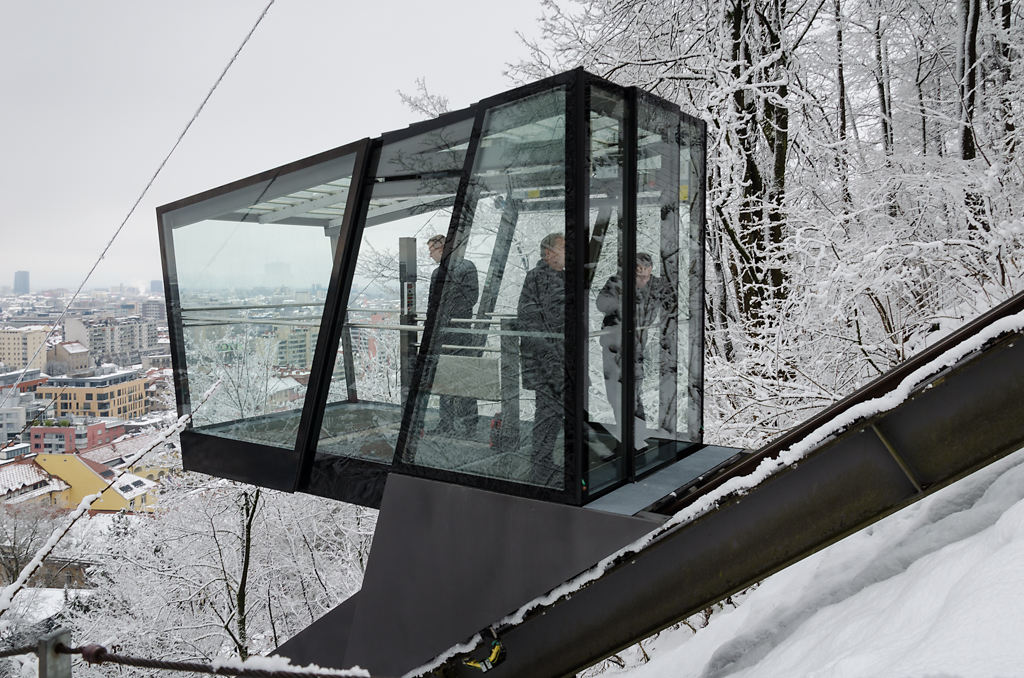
[864, 180]
[222, 570]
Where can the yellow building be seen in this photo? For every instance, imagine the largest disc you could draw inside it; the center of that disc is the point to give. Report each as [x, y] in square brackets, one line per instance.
[121, 395]
[161, 458]
[85, 477]
[22, 347]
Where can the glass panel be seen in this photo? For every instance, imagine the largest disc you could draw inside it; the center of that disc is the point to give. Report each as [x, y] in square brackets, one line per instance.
[412, 198]
[603, 279]
[661, 267]
[474, 415]
[253, 268]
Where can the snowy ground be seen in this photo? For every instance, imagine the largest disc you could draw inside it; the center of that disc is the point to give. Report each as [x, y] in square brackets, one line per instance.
[934, 591]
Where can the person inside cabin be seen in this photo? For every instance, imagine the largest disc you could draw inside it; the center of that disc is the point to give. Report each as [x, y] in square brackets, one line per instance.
[653, 299]
[454, 300]
[541, 311]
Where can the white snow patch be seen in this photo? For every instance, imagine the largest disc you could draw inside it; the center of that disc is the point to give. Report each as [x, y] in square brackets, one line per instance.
[933, 590]
[278, 663]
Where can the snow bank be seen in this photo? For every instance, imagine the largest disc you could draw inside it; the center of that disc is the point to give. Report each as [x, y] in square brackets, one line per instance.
[933, 590]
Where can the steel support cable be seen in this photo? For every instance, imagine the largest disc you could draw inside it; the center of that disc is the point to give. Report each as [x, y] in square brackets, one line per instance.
[145, 190]
[97, 654]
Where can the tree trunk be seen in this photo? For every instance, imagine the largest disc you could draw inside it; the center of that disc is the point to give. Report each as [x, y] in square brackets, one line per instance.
[841, 161]
[967, 76]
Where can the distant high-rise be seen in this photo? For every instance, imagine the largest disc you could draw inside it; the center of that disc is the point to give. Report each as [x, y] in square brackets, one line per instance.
[156, 286]
[21, 282]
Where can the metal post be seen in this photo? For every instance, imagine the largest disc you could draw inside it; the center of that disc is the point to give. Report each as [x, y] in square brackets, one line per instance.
[509, 435]
[53, 664]
[407, 281]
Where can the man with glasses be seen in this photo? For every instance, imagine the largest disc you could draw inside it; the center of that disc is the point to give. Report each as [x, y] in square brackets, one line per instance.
[458, 414]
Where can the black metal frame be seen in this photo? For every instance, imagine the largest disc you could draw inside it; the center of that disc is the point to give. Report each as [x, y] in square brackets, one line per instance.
[361, 480]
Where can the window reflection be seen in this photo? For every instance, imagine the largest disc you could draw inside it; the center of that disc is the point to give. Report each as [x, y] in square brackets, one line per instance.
[412, 196]
[252, 269]
[475, 414]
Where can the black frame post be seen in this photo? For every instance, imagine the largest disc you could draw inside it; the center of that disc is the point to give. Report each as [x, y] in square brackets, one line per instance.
[628, 307]
[172, 302]
[405, 451]
[332, 321]
[577, 203]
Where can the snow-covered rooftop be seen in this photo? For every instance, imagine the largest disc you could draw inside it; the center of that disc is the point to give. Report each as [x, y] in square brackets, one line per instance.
[131, 486]
[123, 448]
[21, 474]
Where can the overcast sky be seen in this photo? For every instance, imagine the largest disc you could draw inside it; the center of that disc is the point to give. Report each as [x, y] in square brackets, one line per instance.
[96, 92]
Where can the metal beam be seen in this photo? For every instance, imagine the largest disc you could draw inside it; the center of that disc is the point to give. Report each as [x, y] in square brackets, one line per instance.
[958, 421]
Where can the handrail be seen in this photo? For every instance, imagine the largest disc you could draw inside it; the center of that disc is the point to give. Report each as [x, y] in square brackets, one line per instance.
[247, 307]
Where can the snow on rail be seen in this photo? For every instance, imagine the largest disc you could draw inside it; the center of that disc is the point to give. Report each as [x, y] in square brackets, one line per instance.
[741, 485]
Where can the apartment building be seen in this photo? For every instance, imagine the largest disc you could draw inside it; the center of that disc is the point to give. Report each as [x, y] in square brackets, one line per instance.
[118, 340]
[68, 357]
[153, 309]
[12, 420]
[76, 436]
[27, 380]
[295, 346]
[22, 347]
[121, 395]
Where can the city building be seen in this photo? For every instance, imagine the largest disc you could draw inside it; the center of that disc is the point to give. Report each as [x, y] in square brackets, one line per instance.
[67, 357]
[153, 309]
[295, 346]
[75, 436]
[121, 395]
[22, 347]
[27, 380]
[85, 476]
[13, 450]
[159, 458]
[159, 389]
[12, 420]
[156, 286]
[21, 285]
[159, 361]
[118, 340]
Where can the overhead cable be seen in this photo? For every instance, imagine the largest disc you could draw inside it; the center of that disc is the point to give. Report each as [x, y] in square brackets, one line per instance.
[138, 200]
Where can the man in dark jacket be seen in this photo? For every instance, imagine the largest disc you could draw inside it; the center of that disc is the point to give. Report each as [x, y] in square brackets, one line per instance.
[542, 312]
[458, 414]
[653, 299]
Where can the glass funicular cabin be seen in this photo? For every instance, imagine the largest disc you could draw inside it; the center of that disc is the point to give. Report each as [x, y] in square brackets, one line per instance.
[508, 297]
